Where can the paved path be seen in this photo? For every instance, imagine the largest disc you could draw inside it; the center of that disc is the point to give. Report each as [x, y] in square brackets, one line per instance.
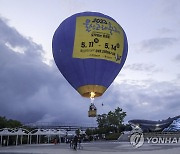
[94, 147]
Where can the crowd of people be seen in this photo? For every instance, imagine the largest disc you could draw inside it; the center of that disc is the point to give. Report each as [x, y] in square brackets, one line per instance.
[75, 143]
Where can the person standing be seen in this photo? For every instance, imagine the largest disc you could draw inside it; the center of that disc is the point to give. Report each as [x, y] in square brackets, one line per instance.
[75, 141]
[79, 141]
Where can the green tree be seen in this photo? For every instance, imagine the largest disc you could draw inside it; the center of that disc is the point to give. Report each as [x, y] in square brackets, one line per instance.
[13, 123]
[5, 123]
[77, 132]
[111, 122]
[102, 120]
[116, 119]
[89, 132]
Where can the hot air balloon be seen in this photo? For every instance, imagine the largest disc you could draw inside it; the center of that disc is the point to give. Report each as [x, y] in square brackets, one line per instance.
[89, 48]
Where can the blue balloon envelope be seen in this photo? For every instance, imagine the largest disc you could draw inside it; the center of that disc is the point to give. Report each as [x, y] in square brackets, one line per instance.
[90, 49]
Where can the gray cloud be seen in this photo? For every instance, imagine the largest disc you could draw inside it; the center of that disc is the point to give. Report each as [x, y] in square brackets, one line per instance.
[156, 44]
[141, 67]
[170, 8]
[165, 30]
[177, 58]
[178, 76]
[32, 91]
[158, 100]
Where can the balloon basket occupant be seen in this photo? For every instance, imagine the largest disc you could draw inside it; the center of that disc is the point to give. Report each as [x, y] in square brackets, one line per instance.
[92, 111]
[92, 108]
[90, 49]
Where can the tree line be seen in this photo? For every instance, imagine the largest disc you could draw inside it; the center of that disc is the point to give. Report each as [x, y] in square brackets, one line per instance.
[110, 125]
[9, 123]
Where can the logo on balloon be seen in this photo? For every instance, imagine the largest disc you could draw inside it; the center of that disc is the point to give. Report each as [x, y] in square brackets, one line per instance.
[98, 38]
[104, 26]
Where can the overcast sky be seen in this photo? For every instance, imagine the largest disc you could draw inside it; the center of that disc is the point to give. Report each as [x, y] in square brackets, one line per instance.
[32, 89]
